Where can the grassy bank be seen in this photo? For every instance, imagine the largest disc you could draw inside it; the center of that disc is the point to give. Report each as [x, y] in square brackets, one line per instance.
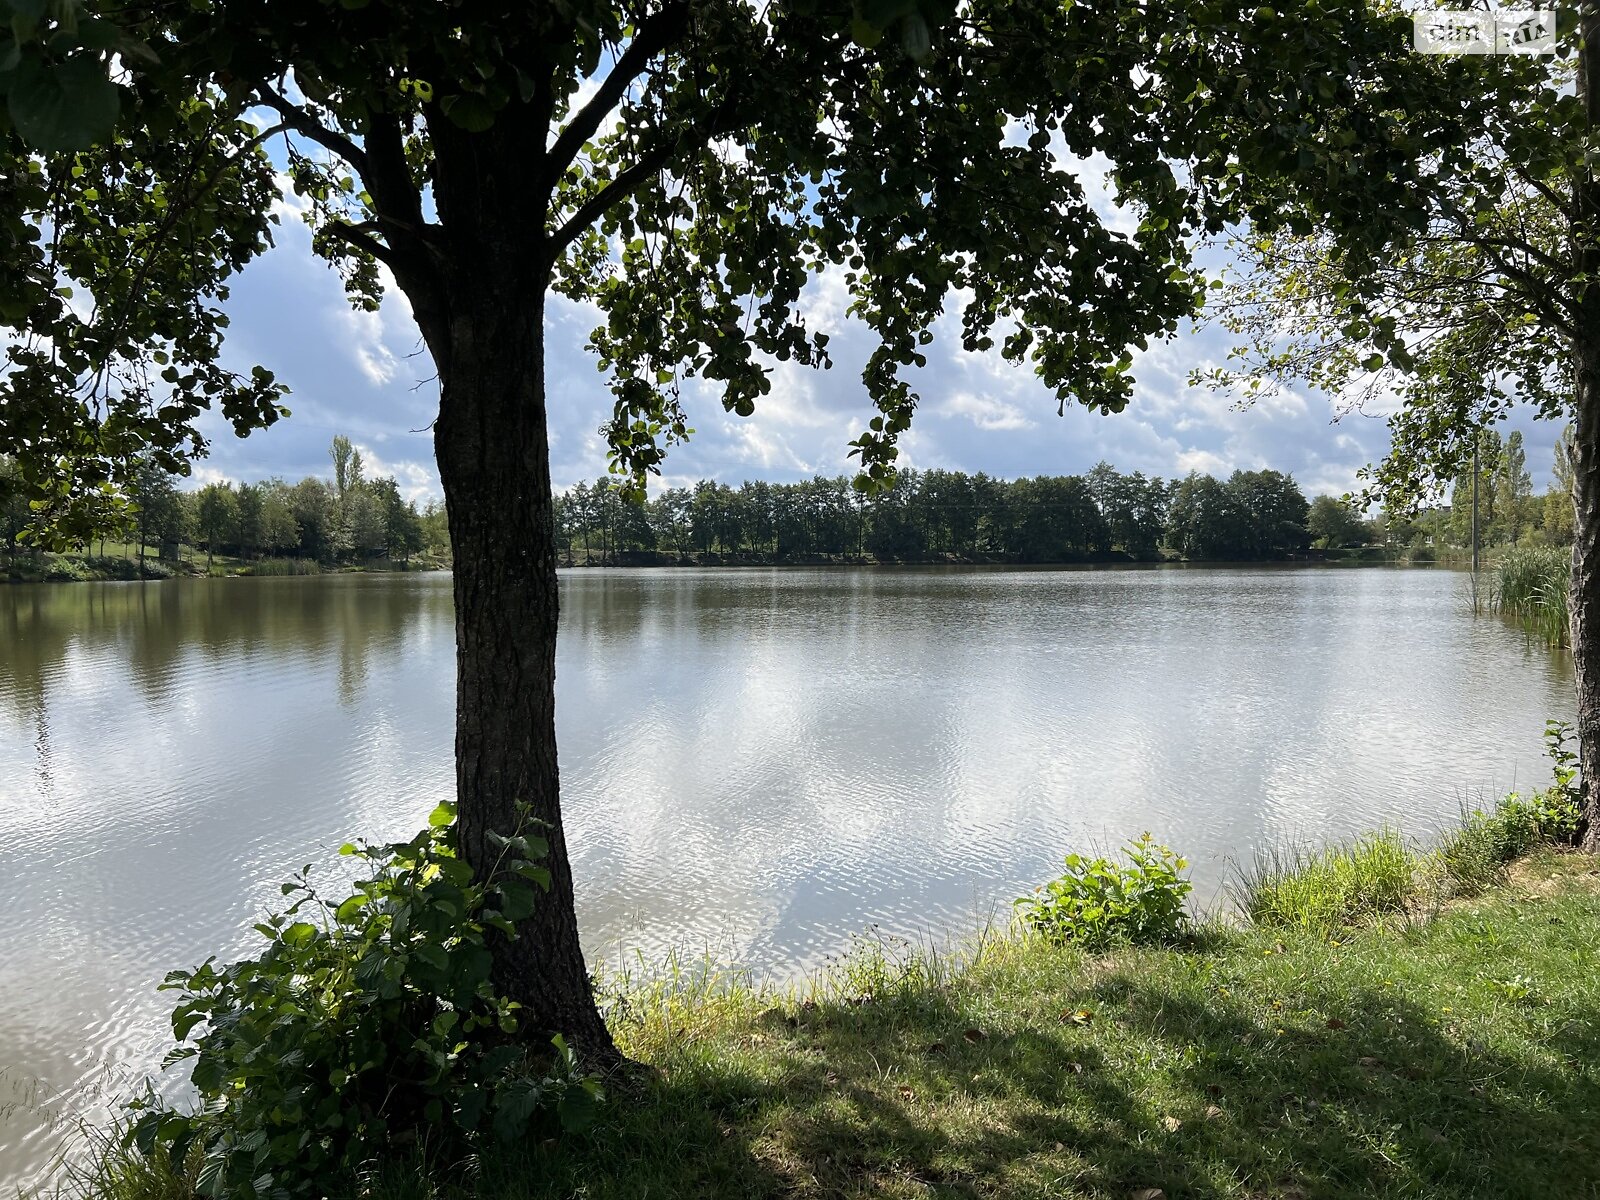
[1394, 1021]
[1451, 1058]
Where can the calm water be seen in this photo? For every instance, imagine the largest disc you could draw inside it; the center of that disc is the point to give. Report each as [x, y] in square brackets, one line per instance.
[758, 763]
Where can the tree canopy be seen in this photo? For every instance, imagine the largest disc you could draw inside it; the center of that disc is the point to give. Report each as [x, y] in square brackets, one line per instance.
[685, 168]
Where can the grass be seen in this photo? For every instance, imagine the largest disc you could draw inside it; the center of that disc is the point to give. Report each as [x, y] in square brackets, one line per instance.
[1449, 1058]
[1530, 585]
[282, 566]
[1324, 889]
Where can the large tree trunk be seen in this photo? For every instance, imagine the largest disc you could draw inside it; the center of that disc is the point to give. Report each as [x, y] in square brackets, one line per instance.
[493, 459]
[1585, 596]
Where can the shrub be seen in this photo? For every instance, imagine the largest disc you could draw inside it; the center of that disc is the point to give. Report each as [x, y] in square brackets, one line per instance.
[1325, 889]
[67, 570]
[1475, 857]
[364, 1024]
[1098, 902]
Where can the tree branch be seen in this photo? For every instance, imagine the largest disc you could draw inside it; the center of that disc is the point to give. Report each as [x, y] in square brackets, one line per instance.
[653, 37]
[591, 209]
[302, 122]
[357, 236]
[388, 175]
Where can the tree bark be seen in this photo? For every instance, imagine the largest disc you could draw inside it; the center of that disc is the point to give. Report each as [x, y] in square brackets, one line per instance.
[1585, 595]
[493, 456]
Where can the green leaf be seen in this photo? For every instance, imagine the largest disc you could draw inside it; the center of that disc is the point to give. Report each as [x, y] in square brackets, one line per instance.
[468, 111]
[864, 33]
[65, 106]
[442, 815]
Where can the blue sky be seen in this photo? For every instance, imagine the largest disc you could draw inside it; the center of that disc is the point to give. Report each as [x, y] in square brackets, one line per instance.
[369, 377]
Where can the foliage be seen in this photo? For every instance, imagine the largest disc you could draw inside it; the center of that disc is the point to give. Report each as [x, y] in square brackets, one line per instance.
[1098, 902]
[1530, 584]
[1333, 523]
[925, 515]
[1325, 889]
[1475, 856]
[873, 141]
[365, 1022]
[1253, 515]
[1564, 764]
[1449, 1060]
[313, 519]
[1468, 313]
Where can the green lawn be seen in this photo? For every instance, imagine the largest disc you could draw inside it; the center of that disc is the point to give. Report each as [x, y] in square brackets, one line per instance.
[1455, 1057]
[1448, 1054]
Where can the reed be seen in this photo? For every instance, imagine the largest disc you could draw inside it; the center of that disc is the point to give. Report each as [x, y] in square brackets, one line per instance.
[283, 566]
[1530, 585]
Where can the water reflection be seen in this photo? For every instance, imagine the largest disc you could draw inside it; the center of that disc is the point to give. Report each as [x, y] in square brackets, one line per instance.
[755, 762]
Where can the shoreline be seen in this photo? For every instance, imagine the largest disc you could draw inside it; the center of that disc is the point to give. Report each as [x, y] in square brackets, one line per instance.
[1338, 1040]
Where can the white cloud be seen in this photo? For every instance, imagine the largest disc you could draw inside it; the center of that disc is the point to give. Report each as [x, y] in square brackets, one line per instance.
[1203, 461]
[986, 412]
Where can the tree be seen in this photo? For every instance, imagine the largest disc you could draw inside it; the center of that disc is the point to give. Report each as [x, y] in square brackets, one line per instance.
[15, 516]
[673, 515]
[1275, 512]
[1513, 487]
[346, 465]
[684, 168]
[1333, 523]
[247, 532]
[1206, 520]
[158, 512]
[1483, 304]
[280, 532]
[1558, 500]
[216, 514]
[402, 524]
[1134, 508]
[366, 519]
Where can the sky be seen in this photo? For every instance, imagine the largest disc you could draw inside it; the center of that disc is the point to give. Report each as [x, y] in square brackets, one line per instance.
[368, 376]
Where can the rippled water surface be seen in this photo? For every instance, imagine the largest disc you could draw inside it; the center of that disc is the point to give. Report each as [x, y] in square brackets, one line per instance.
[759, 763]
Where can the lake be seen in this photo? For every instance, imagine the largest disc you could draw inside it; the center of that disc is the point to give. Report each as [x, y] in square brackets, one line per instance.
[756, 763]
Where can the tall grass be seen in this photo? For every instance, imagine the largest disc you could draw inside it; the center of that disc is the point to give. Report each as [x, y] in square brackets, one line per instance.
[283, 566]
[1324, 889]
[1381, 874]
[1530, 585]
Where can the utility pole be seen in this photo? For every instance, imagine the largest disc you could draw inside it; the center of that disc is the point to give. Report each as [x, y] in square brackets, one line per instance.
[1475, 438]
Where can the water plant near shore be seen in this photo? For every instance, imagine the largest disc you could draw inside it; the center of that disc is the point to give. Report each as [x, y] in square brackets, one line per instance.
[1530, 585]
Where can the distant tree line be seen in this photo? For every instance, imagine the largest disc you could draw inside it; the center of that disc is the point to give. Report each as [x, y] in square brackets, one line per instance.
[1510, 513]
[935, 515]
[348, 518]
[926, 516]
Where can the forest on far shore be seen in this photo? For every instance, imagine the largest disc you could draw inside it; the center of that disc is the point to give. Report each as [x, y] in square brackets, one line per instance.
[350, 520]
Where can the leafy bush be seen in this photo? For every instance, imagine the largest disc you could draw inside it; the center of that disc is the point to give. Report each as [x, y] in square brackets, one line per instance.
[1475, 857]
[67, 570]
[364, 1023]
[1098, 902]
[1325, 889]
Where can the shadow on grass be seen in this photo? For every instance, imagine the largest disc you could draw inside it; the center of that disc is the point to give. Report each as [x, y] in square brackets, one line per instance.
[1145, 1081]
